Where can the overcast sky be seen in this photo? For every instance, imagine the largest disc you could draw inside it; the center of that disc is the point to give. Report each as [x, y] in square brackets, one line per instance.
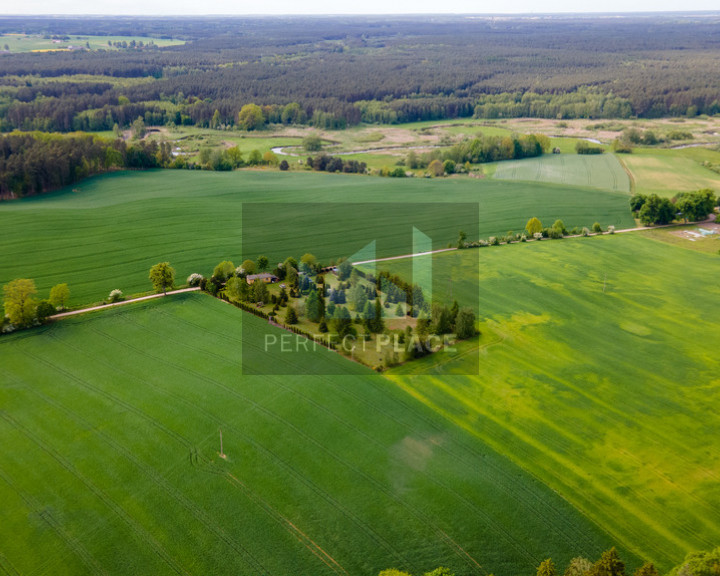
[241, 7]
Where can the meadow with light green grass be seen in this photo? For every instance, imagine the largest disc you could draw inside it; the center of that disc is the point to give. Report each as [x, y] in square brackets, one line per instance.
[598, 376]
[113, 420]
[667, 172]
[38, 43]
[597, 171]
[106, 232]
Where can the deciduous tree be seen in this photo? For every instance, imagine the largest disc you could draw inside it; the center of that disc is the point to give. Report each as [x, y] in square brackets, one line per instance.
[162, 276]
[59, 295]
[19, 301]
[251, 117]
[546, 568]
[465, 323]
[224, 270]
[533, 226]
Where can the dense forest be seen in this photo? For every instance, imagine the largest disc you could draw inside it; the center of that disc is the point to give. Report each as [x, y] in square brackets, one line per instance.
[334, 72]
[31, 163]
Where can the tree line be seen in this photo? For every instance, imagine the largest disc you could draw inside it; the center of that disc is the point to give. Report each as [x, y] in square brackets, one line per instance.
[36, 162]
[686, 206]
[609, 564]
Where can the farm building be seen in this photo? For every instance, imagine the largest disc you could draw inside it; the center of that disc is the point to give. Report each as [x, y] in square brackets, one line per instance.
[265, 277]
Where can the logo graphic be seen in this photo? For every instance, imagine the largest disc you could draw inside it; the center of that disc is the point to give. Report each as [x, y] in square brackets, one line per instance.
[381, 284]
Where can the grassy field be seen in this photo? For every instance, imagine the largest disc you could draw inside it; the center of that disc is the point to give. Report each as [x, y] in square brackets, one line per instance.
[111, 461]
[106, 232]
[685, 237]
[598, 376]
[603, 171]
[667, 172]
[37, 43]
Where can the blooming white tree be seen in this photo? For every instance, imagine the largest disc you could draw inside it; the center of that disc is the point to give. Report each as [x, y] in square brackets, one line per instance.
[116, 295]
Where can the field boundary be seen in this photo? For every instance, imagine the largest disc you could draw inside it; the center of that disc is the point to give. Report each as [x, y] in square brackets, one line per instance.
[114, 304]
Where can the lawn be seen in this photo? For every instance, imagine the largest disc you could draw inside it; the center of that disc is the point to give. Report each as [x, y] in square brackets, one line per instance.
[667, 172]
[111, 460]
[106, 232]
[598, 376]
[597, 171]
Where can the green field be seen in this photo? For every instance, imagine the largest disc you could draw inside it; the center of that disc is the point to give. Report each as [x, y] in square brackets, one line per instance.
[667, 172]
[110, 462]
[601, 171]
[106, 232]
[38, 43]
[598, 376]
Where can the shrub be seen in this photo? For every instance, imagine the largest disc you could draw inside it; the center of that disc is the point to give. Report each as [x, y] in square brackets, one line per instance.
[597, 228]
[585, 231]
[559, 225]
[494, 241]
[538, 235]
[611, 229]
[195, 279]
[116, 296]
[679, 135]
[284, 165]
[45, 309]
[436, 168]
[555, 233]
[583, 147]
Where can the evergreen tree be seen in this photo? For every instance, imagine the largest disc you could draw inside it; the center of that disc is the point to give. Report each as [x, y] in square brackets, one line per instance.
[378, 322]
[312, 307]
[454, 312]
[291, 315]
[342, 322]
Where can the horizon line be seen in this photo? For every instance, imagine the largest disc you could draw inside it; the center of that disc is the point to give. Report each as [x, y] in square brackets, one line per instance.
[363, 14]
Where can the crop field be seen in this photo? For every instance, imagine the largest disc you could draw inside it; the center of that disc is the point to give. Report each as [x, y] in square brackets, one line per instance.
[111, 461]
[599, 376]
[601, 171]
[38, 43]
[106, 232]
[667, 172]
